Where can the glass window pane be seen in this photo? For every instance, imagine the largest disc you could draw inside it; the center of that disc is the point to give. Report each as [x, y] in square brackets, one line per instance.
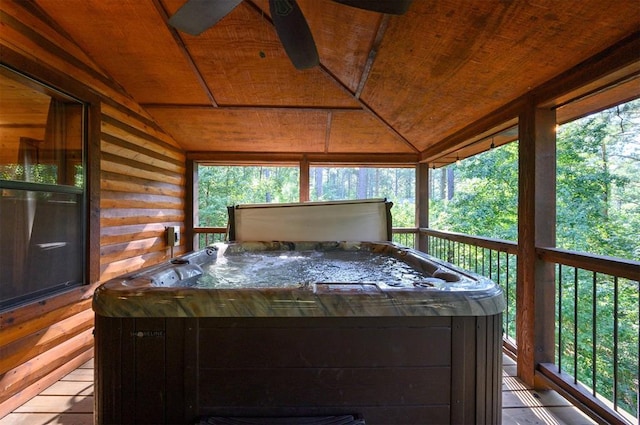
[40, 133]
[41, 235]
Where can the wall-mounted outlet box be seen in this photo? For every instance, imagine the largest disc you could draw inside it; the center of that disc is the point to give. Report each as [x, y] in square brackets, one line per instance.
[173, 235]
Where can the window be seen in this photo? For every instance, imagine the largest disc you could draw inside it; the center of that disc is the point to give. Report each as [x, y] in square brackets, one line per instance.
[42, 190]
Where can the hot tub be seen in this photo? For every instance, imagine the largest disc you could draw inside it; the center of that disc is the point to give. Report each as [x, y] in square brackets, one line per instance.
[419, 345]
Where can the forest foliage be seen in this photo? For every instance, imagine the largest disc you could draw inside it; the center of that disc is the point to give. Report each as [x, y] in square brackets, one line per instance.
[597, 189]
[222, 186]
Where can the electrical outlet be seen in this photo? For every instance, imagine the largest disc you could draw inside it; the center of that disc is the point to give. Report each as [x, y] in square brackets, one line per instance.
[173, 235]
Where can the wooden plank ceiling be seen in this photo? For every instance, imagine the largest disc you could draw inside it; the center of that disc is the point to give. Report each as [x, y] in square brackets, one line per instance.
[386, 84]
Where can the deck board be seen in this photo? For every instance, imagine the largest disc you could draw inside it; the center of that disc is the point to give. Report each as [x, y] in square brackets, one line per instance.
[70, 401]
[523, 405]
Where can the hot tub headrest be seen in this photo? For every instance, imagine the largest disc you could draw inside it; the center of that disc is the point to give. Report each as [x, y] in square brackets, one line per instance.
[360, 220]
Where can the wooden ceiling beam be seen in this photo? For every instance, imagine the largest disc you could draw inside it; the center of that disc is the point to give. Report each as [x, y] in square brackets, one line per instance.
[382, 26]
[249, 107]
[276, 158]
[185, 52]
[502, 118]
[327, 137]
[609, 67]
[373, 52]
[368, 109]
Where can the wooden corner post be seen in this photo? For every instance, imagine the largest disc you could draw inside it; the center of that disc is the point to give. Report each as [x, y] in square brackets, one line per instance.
[422, 204]
[304, 179]
[535, 295]
[191, 205]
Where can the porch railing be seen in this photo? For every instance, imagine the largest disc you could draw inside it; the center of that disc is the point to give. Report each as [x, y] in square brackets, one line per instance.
[405, 236]
[597, 335]
[206, 236]
[493, 258]
[597, 353]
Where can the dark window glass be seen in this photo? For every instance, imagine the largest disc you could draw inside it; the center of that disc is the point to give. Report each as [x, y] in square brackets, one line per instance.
[41, 190]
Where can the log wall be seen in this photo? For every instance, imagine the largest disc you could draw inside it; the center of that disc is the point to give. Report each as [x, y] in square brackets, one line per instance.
[136, 183]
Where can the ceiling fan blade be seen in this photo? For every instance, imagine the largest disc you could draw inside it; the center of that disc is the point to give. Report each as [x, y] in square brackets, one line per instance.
[394, 7]
[294, 33]
[195, 16]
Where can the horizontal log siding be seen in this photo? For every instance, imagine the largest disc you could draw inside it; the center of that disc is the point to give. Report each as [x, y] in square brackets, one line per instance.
[142, 189]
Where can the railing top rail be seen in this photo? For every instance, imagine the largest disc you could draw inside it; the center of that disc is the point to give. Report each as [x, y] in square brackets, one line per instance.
[490, 243]
[396, 230]
[209, 230]
[404, 230]
[613, 266]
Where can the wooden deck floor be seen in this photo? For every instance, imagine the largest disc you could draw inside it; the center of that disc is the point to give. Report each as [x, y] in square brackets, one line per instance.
[70, 402]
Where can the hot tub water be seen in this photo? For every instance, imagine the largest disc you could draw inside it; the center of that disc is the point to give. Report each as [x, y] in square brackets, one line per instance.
[296, 268]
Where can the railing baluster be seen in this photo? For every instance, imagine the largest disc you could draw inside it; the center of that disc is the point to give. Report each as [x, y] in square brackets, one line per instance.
[507, 297]
[575, 326]
[594, 332]
[483, 261]
[490, 264]
[476, 257]
[638, 356]
[560, 321]
[615, 342]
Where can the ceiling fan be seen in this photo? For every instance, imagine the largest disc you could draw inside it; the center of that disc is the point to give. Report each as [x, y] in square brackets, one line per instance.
[195, 16]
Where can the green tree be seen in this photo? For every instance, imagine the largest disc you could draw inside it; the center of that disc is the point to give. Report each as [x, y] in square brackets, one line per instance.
[598, 185]
[484, 202]
[222, 186]
[395, 184]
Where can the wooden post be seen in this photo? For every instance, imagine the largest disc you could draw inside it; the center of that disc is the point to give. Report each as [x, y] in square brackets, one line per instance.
[191, 205]
[535, 295]
[92, 173]
[304, 179]
[422, 204]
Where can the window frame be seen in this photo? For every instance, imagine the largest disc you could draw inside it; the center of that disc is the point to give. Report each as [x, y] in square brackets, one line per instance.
[88, 117]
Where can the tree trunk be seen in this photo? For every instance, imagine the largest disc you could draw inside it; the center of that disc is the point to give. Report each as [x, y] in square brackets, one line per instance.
[450, 185]
[395, 185]
[607, 186]
[266, 174]
[318, 182]
[362, 183]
